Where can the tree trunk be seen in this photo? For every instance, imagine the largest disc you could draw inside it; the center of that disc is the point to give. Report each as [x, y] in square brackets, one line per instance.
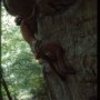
[75, 29]
[1, 97]
[6, 89]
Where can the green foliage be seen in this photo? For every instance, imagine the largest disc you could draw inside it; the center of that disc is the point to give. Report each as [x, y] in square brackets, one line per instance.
[21, 71]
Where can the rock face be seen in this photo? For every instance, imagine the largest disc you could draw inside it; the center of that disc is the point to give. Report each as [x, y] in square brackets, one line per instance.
[75, 29]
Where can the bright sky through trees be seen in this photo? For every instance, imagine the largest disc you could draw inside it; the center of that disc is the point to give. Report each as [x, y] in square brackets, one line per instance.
[21, 71]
